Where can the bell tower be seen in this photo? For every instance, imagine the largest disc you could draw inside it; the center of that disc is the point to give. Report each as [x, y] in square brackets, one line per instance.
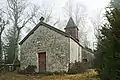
[72, 29]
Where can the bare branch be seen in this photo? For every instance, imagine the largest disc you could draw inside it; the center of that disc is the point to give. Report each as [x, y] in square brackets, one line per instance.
[56, 22]
[45, 11]
[25, 22]
[77, 12]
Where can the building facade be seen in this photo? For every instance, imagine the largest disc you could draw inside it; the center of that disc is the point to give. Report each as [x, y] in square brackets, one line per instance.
[51, 49]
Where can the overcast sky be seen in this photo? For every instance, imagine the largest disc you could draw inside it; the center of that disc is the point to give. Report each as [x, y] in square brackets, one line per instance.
[93, 8]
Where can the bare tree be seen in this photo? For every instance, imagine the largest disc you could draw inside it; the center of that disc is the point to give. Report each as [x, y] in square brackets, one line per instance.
[68, 8]
[3, 23]
[42, 11]
[97, 25]
[18, 15]
[77, 12]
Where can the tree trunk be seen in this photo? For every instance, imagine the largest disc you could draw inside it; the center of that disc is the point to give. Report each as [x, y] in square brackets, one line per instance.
[16, 44]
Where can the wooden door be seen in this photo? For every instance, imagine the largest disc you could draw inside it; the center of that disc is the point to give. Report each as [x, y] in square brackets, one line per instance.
[42, 61]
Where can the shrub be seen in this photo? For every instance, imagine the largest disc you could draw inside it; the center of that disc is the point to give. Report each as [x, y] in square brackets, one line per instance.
[29, 70]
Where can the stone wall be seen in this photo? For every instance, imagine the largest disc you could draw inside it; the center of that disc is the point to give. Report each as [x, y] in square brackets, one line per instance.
[54, 44]
[89, 56]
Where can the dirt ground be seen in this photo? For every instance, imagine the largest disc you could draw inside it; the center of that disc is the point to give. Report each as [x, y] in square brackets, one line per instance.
[15, 76]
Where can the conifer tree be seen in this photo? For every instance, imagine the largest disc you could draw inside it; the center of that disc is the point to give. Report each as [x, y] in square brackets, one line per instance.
[11, 45]
[108, 51]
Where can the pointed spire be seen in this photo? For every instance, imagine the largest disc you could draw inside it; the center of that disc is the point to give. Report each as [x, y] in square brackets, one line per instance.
[72, 29]
[70, 23]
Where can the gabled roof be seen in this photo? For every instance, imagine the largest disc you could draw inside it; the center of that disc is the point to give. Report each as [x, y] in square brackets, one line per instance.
[50, 27]
[70, 23]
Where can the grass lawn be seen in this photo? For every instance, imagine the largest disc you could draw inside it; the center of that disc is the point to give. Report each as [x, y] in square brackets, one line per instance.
[15, 76]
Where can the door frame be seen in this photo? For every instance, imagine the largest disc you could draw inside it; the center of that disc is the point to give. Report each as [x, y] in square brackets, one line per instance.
[38, 60]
